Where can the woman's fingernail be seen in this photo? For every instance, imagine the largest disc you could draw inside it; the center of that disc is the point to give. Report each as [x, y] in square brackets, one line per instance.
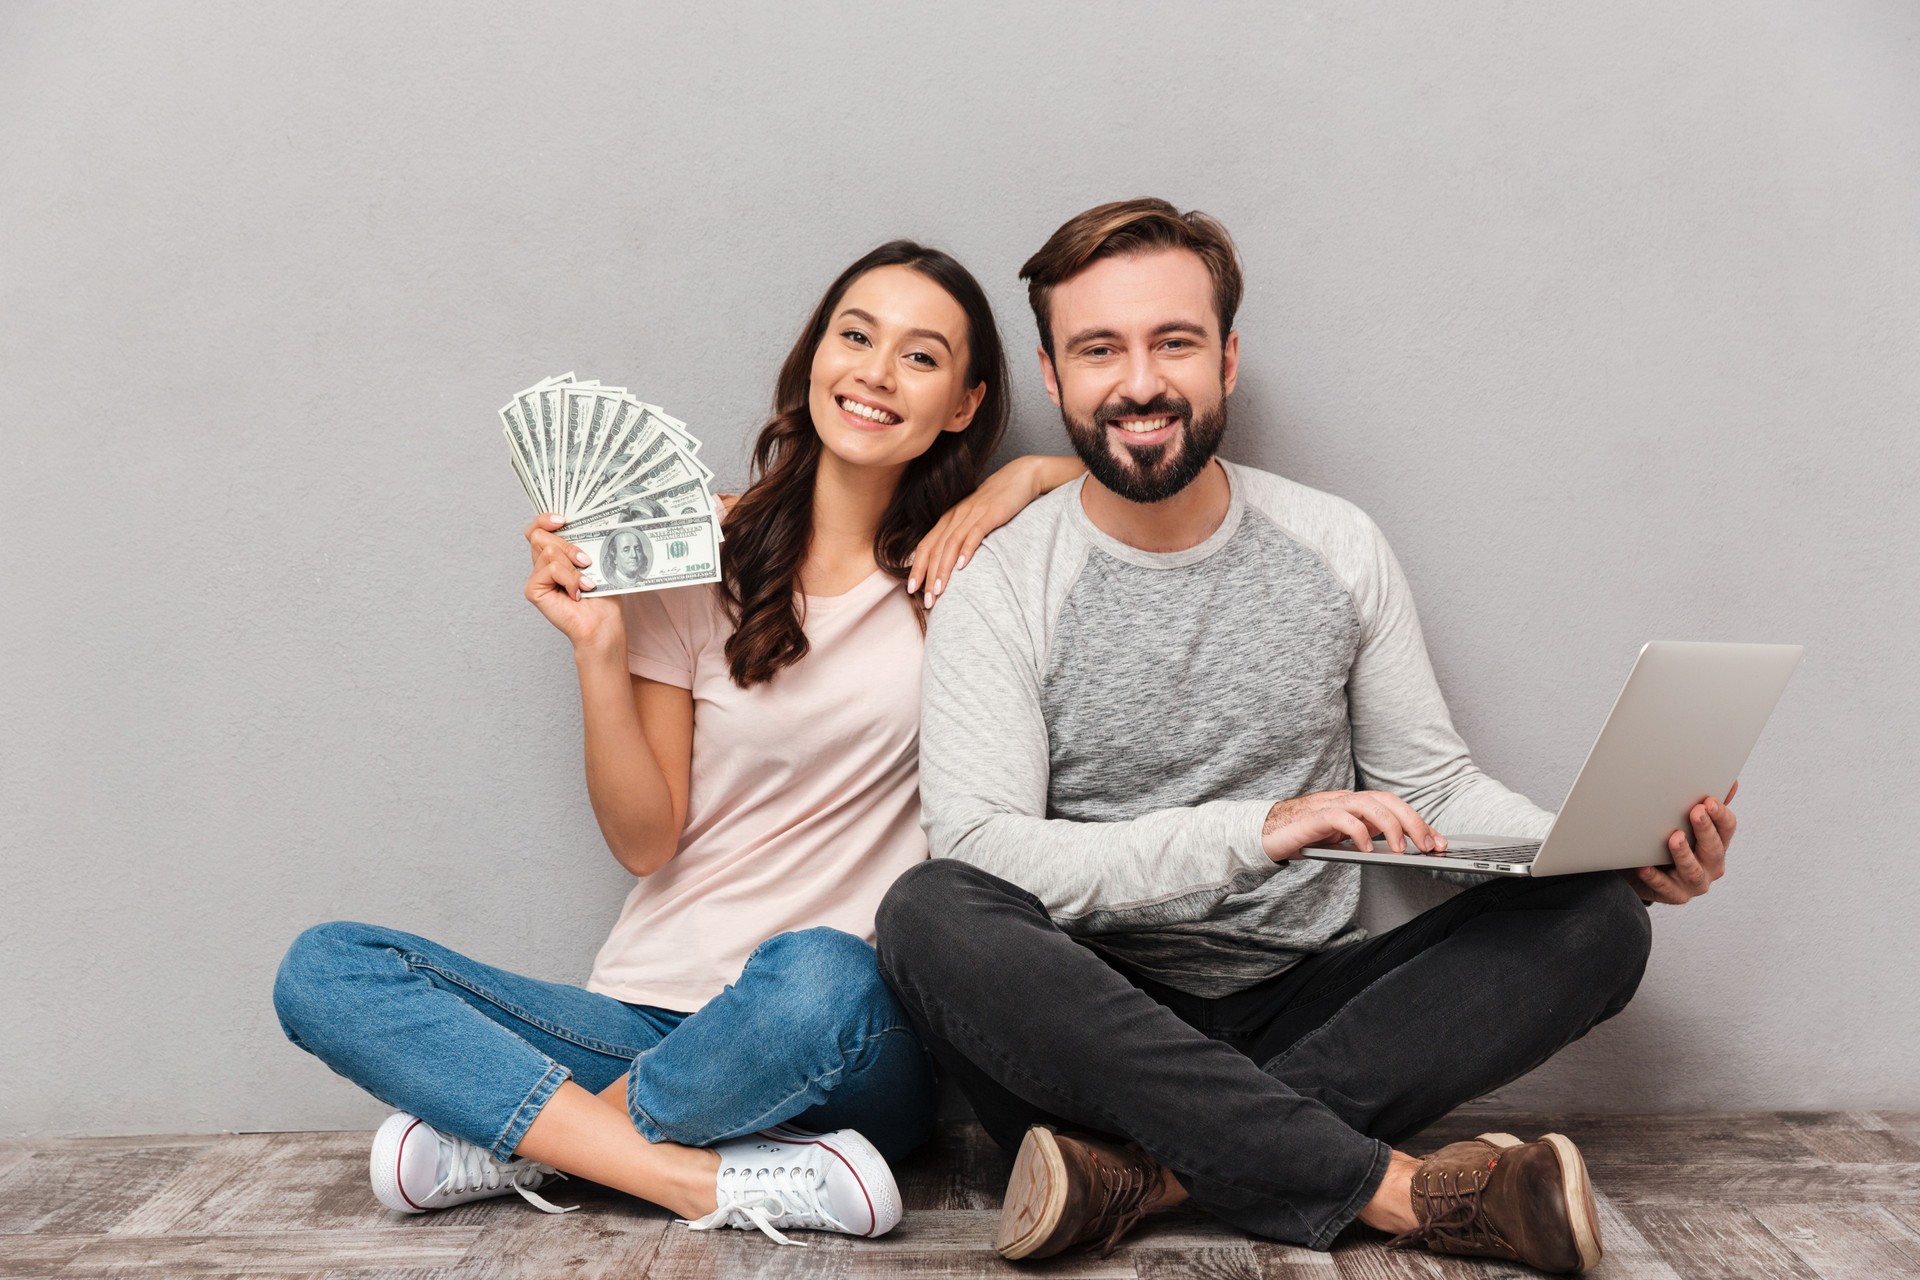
[940, 584]
[586, 584]
[959, 564]
[582, 558]
[929, 599]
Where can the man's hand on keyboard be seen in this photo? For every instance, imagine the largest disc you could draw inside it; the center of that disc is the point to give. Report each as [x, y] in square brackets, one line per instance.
[1326, 816]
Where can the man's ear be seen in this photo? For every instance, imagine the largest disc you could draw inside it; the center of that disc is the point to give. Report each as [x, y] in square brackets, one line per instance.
[969, 405]
[1230, 363]
[1048, 376]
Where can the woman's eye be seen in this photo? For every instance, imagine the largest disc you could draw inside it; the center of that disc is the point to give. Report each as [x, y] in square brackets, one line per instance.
[923, 359]
[854, 335]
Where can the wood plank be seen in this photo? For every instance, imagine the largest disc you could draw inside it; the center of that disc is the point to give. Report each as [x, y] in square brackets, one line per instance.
[40, 1255]
[1804, 1181]
[1367, 1257]
[1833, 1120]
[310, 1182]
[959, 1168]
[617, 1241]
[1858, 1146]
[69, 1190]
[1704, 1242]
[906, 1264]
[1624, 1251]
[279, 1252]
[215, 1167]
[1844, 1243]
[728, 1254]
[1216, 1262]
[1292, 1262]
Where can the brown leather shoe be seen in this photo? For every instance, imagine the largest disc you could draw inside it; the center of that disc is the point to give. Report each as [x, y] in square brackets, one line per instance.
[1499, 1197]
[1067, 1191]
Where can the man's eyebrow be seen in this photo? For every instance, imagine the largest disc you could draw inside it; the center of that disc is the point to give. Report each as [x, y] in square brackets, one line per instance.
[1110, 335]
[932, 335]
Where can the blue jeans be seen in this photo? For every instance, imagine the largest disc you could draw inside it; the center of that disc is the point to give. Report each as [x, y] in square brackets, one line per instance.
[808, 1034]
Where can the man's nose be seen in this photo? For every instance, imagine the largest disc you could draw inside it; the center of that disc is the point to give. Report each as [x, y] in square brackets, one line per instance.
[1141, 381]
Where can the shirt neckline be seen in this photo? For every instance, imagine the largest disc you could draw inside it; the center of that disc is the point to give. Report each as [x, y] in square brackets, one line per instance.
[864, 586]
[1236, 505]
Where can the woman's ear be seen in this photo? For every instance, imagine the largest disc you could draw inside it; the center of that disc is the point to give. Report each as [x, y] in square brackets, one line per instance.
[969, 405]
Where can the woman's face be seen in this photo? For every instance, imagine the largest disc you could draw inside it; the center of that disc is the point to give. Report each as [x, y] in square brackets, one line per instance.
[890, 372]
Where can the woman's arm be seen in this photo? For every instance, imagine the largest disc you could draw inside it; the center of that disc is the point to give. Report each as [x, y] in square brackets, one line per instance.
[1004, 495]
[639, 732]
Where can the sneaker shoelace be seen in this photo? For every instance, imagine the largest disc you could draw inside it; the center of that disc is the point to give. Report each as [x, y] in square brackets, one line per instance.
[787, 1195]
[1456, 1219]
[471, 1168]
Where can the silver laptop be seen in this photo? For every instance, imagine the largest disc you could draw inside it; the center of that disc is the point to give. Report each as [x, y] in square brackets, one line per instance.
[1681, 729]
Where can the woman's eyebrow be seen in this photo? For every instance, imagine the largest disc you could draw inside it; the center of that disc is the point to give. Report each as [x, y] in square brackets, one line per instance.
[932, 335]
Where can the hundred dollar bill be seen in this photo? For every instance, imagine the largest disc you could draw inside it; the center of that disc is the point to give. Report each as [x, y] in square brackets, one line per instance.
[688, 499]
[675, 551]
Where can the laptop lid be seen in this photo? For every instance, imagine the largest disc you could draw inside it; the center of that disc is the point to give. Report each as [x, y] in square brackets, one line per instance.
[1682, 728]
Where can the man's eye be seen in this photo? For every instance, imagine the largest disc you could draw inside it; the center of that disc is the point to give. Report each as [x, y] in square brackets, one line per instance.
[1177, 344]
[1098, 353]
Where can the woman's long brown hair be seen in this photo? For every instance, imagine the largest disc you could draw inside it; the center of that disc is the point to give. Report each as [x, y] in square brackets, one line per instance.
[771, 525]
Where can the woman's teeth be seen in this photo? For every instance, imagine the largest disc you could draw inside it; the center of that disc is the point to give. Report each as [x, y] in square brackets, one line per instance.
[868, 412]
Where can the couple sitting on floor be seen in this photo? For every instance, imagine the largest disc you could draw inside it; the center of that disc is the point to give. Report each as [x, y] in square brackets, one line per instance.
[1137, 704]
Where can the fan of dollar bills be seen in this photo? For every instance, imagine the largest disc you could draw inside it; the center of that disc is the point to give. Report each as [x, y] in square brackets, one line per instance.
[625, 477]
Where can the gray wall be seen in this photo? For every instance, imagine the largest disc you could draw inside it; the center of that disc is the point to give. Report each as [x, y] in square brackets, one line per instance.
[1606, 312]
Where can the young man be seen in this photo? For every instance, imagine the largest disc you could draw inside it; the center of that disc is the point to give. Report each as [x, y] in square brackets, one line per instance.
[1142, 700]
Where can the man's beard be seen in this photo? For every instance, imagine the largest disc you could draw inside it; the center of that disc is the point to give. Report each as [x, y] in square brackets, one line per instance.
[1157, 471]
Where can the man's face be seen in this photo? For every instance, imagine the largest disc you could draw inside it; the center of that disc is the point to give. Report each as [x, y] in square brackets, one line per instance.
[1140, 371]
[626, 554]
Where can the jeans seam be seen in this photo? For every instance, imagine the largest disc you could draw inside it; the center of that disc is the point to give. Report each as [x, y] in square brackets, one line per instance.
[530, 1107]
[1376, 1174]
[414, 960]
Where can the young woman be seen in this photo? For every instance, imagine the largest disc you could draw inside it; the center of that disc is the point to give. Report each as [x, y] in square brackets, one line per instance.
[751, 758]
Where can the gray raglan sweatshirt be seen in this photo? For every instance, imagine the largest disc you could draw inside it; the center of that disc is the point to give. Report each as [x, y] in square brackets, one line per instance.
[1108, 727]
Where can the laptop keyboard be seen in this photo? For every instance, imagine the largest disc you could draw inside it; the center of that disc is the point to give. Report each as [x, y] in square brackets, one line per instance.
[1502, 853]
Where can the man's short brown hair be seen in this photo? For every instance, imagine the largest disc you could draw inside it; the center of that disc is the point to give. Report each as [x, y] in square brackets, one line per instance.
[1124, 227]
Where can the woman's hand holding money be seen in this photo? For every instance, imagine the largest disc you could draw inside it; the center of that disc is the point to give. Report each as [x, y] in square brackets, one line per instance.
[560, 588]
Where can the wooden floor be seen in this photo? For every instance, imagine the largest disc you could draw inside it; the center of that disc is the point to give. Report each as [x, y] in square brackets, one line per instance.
[1822, 1196]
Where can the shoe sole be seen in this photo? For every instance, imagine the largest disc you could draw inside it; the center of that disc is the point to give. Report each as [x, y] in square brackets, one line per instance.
[1036, 1196]
[864, 1161]
[1582, 1215]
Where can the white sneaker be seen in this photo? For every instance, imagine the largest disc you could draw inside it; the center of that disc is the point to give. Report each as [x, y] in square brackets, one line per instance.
[415, 1167]
[793, 1179]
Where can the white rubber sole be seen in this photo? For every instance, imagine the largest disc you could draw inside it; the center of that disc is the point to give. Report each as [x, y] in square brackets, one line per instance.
[1582, 1214]
[868, 1167]
[1036, 1195]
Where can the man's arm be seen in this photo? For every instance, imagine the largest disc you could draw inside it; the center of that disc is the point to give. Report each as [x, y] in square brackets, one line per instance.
[984, 769]
[1403, 738]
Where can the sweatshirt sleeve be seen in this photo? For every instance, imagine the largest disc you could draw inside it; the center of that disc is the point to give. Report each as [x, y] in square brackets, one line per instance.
[1403, 737]
[984, 770]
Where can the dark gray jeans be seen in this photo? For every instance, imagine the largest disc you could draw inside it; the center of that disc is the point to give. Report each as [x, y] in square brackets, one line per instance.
[1276, 1106]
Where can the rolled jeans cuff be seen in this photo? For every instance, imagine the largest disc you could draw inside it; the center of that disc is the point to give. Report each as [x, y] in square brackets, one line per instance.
[530, 1106]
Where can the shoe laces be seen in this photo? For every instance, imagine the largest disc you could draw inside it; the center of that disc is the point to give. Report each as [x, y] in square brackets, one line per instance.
[1453, 1213]
[472, 1168]
[768, 1197]
[1124, 1192]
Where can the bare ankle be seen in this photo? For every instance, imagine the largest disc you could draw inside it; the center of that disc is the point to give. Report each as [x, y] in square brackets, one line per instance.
[1391, 1208]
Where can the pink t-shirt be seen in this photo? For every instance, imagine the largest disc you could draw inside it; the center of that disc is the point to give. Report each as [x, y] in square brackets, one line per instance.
[804, 805]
